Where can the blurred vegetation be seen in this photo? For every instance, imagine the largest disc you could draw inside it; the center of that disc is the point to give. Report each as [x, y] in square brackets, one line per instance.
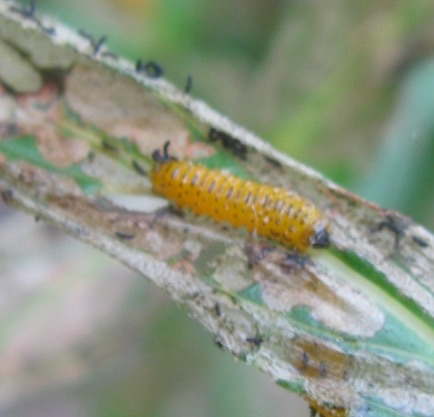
[346, 87]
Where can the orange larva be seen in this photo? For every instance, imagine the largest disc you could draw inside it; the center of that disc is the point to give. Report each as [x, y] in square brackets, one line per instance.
[269, 211]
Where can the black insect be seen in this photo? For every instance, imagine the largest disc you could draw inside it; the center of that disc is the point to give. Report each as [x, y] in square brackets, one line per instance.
[273, 162]
[108, 146]
[256, 254]
[293, 259]
[396, 227]
[125, 236]
[29, 13]
[188, 85]
[91, 156]
[217, 310]
[8, 129]
[420, 242]
[150, 68]
[256, 340]
[228, 142]
[326, 410]
[305, 361]
[219, 344]
[48, 30]
[312, 412]
[96, 44]
[323, 369]
[138, 168]
[7, 195]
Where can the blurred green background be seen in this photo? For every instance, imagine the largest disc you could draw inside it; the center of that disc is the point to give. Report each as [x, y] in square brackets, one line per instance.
[346, 87]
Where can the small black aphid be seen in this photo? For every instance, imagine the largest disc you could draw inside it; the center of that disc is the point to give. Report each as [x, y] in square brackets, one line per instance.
[257, 340]
[139, 65]
[150, 68]
[28, 12]
[323, 369]
[219, 344]
[125, 236]
[86, 35]
[108, 146]
[420, 242]
[96, 44]
[312, 411]
[255, 255]
[47, 30]
[91, 156]
[394, 227]
[8, 129]
[7, 195]
[188, 85]
[305, 360]
[99, 43]
[228, 142]
[217, 310]
[273, 161]
[138, 168]
[294, 259]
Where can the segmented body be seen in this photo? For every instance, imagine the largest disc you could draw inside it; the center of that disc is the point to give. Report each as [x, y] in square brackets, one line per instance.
[269, 211]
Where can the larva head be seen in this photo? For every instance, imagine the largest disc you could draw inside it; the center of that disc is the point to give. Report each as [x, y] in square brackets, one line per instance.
[321, 237]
